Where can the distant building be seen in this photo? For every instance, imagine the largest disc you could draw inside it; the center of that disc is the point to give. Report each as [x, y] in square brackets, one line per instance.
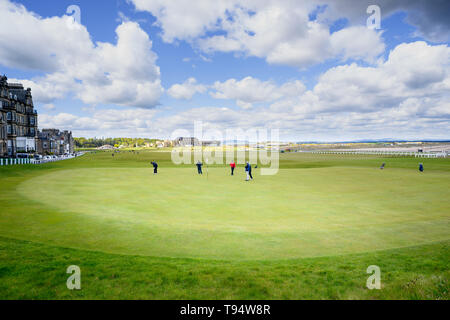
[53, 141]
[211, 143]
[159, 144]
[186, 142]
[106, 147]
[18, 119]
[168, 143]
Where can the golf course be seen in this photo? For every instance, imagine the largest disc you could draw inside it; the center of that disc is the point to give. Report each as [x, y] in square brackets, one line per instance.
[308, 232]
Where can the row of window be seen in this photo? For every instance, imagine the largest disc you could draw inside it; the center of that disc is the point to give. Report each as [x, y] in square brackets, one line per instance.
[12, 116]
[23, 109]
[19, 107]
[15, 130]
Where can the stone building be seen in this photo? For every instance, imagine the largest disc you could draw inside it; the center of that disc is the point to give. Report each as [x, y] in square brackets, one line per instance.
[211, 143]
[186, 142]
[18, 119]
[55, 142]
[3, 132]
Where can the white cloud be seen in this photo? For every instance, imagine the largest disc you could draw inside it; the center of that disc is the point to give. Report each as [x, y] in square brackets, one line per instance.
[279, 31]
[357, 42]
[186, 90]
[124, 73]
[348, 102]
[49, 106]
[414, 70]
[251, 90]
[112, 122]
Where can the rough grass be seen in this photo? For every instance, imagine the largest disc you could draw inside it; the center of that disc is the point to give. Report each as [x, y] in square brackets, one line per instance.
[35, 271]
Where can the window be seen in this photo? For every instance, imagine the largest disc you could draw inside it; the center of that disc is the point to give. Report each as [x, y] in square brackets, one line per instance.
[32, 121]
[9, 129]
[32, 131]
[9, 116]
[10, 147]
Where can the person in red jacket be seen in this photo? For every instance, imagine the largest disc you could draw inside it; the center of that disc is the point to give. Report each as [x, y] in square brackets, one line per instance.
[232, 165]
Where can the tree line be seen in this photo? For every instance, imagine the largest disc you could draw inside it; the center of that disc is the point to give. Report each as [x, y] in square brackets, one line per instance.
[116, 142]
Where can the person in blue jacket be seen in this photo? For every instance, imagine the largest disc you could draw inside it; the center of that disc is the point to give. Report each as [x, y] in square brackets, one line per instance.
[155, 167]
[420, 167]
[248, 170]
[199, 167]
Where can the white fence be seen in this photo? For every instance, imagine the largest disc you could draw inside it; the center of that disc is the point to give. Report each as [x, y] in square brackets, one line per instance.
[388, 153]
[10, 162]
[18, 161]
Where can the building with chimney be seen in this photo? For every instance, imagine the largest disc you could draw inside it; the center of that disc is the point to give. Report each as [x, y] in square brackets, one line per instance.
[55, 142]
[18, 119]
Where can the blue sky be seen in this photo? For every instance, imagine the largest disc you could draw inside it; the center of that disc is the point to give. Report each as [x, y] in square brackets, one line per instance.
[280, 64]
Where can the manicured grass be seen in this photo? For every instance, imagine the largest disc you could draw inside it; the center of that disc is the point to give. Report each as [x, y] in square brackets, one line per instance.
[309, 232]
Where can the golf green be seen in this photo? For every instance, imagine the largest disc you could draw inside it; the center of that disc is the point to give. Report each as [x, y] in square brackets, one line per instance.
[297, 213]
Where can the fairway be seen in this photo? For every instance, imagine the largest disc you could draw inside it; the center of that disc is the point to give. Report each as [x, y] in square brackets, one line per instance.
[294, 214]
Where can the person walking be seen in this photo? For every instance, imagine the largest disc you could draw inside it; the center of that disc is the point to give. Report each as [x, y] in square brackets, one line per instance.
[382, 166]
[233, 166]
[155, 167]
[199, 167]
[420, 167]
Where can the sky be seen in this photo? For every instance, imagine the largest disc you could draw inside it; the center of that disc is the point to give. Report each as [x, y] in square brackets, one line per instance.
[316, 70]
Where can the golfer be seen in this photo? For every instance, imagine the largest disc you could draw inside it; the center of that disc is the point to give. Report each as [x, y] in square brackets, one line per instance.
[155, 167]
[233, 166]
[199, 167]
[248, 170]
[382, 166]
[420, 167]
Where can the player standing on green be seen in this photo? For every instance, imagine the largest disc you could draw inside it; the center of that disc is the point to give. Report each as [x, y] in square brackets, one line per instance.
[233, 166]
[248, 170]
[155, 167]
[420, 167]
[199, 167]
